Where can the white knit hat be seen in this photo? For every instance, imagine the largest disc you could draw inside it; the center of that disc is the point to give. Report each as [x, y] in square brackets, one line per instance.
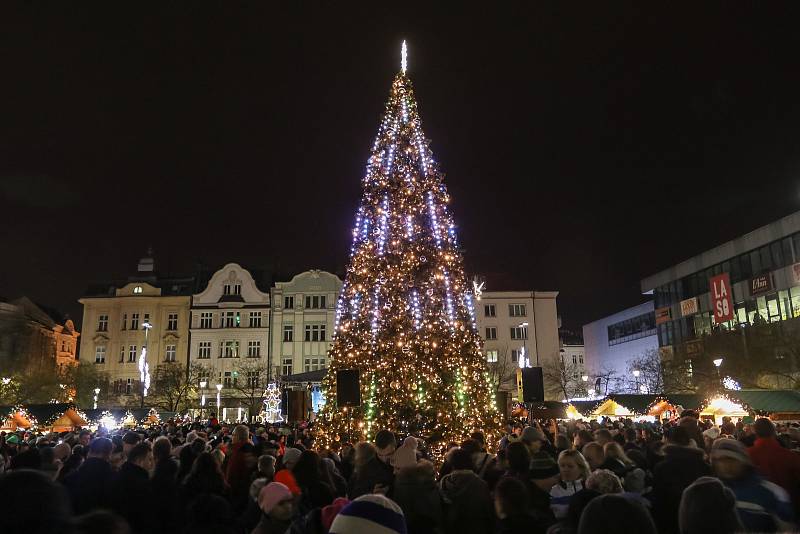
[370, 514]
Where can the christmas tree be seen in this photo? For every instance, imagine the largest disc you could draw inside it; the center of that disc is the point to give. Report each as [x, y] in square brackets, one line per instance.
[405, 317]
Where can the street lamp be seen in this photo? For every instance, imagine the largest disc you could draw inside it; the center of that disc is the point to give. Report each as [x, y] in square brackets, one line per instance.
[524, 340]
[219, 412]
[636, 374]
[717, 363]
[96, 394]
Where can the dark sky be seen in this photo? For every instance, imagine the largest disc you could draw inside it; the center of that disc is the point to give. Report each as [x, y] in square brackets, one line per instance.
[584, 147]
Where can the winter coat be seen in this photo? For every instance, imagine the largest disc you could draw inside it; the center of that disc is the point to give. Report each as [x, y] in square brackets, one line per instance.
[165, 494]
[271, 526]
[314, 495]
[467, 504]
[89, 485]
[777, 465]
[131, 494]
[420, 500]
[311, 523]
[561, 495]
[762, 505]
[371, 474]
[519, 524]
[680, 467]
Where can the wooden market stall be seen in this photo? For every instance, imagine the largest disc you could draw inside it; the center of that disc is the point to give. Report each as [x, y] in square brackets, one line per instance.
[669, 406]
[16, 418]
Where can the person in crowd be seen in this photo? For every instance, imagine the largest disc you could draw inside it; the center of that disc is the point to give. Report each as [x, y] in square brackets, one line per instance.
[33, 503]
[285, 475]
[616, 460]
[569, 523]
[762, 505]
[603, 481]
[276, 502]
[348, 456]
[467, 502]
[682, 465]
[205, 478]
[593, 452]
[164, 484]
[100, 522]
[630, 440]
[373, 471]
[511, 504]
[416, 492]
[582, 437]
[131, 491]
[708, 507]
[70, 465]
[603, 436]
[333, 478]
[241, 460]
[612, 514]
[544, 473]
[533, 439]
[727, 427]
[49, 465]
[88, 486]
[405, 455]
[314, 493]
[774, 462]
[562, 443]
[266, 468]
[688, 421]
[318, 520]
[372, 513]
[573, 472]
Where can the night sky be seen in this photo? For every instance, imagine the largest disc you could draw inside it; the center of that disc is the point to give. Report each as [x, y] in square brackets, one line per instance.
[584, 148]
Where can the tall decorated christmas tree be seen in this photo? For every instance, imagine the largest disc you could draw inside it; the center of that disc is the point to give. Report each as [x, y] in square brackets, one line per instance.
[405, 318]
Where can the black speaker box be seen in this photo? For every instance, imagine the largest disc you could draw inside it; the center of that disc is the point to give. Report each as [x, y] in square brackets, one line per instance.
[532, 384]
[348, 389]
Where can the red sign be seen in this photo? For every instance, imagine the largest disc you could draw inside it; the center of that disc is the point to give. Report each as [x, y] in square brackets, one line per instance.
[663, 315]
[721, 298]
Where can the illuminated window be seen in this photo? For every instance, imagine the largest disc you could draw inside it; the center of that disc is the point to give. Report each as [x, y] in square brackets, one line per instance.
[491, 356]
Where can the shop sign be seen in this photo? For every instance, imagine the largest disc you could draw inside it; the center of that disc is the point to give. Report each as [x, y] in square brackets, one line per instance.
[721, 298]
[663, 315]
[760, 284]
[689, 307]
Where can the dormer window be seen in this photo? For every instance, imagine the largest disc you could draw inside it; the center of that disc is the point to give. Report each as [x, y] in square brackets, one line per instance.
[137, 290]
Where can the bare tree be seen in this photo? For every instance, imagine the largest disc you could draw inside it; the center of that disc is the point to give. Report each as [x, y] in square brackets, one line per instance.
[174, 386]
[251, 378]
[604, 379]
[502, 373]
[561, 377]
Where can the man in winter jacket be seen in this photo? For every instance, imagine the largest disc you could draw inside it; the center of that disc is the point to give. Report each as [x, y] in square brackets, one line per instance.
[88, 486]
[775, 463]
[377, 476]
[468, 505]
[682, 465]
[131, 493]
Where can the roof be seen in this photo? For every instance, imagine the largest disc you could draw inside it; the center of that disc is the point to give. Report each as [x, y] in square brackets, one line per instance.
[769, 400]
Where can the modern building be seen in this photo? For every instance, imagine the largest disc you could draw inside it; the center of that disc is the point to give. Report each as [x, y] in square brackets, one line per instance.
[303, 317]
[748, 287]
[515, 325]
[612, 343]
[230, 336]
[34, 336]
[114, 318]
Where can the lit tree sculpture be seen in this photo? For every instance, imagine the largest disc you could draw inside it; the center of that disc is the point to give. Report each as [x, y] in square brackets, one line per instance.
[405, 317]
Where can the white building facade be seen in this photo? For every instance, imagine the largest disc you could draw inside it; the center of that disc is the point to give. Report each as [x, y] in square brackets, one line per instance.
[230, 333]
[303, 317]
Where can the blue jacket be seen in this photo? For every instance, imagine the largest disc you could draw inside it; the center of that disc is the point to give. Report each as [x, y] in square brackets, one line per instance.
[762, 505]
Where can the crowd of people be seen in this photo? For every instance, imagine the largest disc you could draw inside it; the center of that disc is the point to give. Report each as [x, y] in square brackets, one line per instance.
[684, 476]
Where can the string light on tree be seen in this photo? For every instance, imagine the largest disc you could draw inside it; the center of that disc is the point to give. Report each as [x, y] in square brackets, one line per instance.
[405, 317]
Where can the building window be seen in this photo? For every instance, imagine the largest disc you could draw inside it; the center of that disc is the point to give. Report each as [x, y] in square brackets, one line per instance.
[315, 302]
[286, 368]
[580, 358]
[146, 319]
[204, 350]
[124, 321]
[172, 321]
[315, 332]
[230, 319]
[313, 364]
[205, 320]
[491, 356]
[228, 349]
[288, 303]
[100, 354]
[122, 354]
[255, 319]
[237, 289]
[226, 289]
[288, 332]
[170, 353]
[253, 349]
[489, 311]
[131, 353]
[491, 332]
[519, 332]
[137, 290]
[129, 386]
[134, 321]
[635, 328]
[515, 353]
[574, 359]
[228, 380]
[516, 310]
[102, 323]
[252, 379]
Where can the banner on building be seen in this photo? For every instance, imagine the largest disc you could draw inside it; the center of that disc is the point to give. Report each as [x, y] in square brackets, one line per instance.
[761, 284]
[663, 315]
[796, 273]
[689, 307]
[721, 298]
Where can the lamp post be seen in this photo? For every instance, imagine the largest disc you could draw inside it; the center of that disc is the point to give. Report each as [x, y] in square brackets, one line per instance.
[144, 367]
[525, 341]
[636, 374]
[219, 410]
[203, 385]
[96, 394]
[717, 363]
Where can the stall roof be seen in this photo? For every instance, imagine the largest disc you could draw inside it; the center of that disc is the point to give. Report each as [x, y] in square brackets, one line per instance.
[768, 400]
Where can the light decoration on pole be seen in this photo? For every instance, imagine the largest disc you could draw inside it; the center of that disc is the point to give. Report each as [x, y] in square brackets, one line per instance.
[272, 404]
[144, 367]
[405, 316]
[96, 394]
[730, 383]
[219, 413]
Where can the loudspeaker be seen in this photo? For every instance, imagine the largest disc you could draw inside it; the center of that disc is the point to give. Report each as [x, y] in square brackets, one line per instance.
[532, 384]
[297, 399]
[348, 389]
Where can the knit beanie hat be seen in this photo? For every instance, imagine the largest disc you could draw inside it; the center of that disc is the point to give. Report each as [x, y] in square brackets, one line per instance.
[285, 477]
[708, 507]
[406, 454]
[730, 448]
[291, 455]
[370, 514]
[272, 494]
[543, 466]
[531, 433]
[62, 451]
[612, 513]
[329, 513]
[712, 433]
